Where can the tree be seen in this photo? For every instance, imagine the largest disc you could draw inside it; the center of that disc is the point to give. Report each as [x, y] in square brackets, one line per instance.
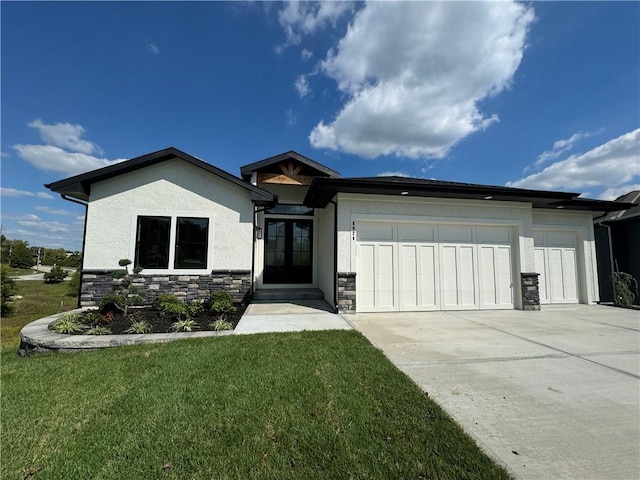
[21, 255]
[55, 275]
[8, 290]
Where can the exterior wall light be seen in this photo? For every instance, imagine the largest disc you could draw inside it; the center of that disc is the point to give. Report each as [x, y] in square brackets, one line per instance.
[259, 233]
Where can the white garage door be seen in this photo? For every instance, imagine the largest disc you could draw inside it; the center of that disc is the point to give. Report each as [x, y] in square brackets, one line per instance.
[556, 262]
[409, 266]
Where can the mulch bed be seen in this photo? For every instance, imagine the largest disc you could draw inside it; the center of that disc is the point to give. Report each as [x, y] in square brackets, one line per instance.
[161, 322]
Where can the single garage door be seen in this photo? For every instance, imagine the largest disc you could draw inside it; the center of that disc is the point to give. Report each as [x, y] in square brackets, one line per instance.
[420, 266]
[556, 262]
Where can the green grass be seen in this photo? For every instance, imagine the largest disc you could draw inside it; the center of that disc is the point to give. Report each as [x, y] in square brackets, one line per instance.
[13, 271]
[38, 300]
[312, 405]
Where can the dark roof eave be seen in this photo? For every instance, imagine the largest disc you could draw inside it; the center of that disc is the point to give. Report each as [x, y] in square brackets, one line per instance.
[79, 186]
[322, 190]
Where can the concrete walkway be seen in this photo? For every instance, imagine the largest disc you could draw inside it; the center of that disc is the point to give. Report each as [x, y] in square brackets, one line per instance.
[553, 394]
[290, 316]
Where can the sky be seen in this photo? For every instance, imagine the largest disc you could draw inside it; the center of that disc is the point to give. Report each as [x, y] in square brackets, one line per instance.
[540, 95]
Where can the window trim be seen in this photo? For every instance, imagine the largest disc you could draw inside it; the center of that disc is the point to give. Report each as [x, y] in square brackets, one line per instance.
[173, 215]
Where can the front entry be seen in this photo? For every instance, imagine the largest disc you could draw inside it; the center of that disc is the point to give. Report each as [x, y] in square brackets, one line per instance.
[288, 251]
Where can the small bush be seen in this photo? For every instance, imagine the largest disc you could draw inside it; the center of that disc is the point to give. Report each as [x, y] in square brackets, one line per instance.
[112, 301]
[220, 325]
[623, 289]
[184, 326]
[98, 330]
[8, 290]
[74, 284]
[56, 275]
[68, 323]
[139, 327]
[165, 299]
[221, 304]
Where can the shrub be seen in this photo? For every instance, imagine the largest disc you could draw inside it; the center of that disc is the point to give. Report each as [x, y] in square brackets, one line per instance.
[165, 299]
[186, 325]
[125, 294]
[139, 327]
[98, 330]
[221, 304]
[68, 323]
[8, 290]
[623, 289]
[55, 275]
[74, 284]
[220, 325]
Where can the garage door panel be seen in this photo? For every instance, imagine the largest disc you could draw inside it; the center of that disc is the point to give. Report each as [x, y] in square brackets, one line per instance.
[416, 232]
[467, 276]
[428, 277]
[495, 275]
[494, 235]
[541, 267]
[365, 277]
[557, 263]
[449, 275]
[408, 276]
[449, 234]
[385, 282]
[375, 232]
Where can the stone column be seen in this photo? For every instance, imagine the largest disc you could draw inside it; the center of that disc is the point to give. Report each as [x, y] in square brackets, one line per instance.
[530, 291]
[346, 292]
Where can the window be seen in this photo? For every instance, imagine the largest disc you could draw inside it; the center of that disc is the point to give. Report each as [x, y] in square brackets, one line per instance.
[152, 242]
[192, 235]
[284, 209]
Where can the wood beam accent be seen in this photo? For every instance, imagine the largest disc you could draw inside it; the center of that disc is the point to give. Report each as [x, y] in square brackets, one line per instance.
[290, 175]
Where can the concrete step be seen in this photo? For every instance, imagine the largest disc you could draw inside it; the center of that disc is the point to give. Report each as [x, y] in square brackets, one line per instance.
[283, 294]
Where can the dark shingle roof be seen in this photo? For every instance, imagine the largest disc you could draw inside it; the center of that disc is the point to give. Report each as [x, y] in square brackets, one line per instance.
[79, 186]
[620, 215]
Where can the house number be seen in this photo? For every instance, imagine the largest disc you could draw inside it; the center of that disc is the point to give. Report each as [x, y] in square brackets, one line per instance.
[353, 230]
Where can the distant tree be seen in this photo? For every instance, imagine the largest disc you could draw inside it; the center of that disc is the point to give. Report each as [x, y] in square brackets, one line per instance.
[54, 256]
[8, 290]
[55, 275]
[21, 255]
[74, 284]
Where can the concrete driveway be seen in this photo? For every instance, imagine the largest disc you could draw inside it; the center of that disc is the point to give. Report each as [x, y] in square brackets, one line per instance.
[550, 394]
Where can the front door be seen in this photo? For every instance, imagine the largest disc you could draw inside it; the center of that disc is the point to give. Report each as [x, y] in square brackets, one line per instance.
[288, 254]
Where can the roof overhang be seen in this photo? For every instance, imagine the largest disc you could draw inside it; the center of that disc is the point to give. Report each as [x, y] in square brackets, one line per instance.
[79, 186]
[323, 190]
[318, 169]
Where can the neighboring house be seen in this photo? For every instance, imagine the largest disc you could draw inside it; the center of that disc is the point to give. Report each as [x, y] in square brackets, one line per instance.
[618, 244]
[368, 244]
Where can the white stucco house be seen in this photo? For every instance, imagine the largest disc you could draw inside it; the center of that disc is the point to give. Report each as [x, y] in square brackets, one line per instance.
[366, 244]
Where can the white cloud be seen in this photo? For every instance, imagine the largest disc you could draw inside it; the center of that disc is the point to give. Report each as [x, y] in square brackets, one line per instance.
[54, 211]
[53, 158]
[64, 135]
[4, 155]
[612, 166]
[12, 192]
[291, 117]
[304, 18]
[613, 193]
[415, 72]
[302, 85]
[306, 54]
[560, 147]
[153, 48]
[394, 174]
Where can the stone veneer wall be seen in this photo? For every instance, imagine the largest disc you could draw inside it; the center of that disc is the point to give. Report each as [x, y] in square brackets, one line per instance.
[98, 283]
[346, 292]
[530, 291]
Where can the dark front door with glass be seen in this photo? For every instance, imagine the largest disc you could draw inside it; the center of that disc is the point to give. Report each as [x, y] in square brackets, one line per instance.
[287, 251]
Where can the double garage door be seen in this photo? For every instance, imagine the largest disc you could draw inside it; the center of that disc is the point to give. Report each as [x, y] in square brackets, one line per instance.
[415, 266]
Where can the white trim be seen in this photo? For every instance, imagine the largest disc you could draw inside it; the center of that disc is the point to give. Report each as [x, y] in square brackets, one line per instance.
[434, 200]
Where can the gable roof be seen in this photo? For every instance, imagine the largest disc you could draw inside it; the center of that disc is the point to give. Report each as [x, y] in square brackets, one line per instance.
[79, 186]
[320, 169]
[632, 197]
[322, 190]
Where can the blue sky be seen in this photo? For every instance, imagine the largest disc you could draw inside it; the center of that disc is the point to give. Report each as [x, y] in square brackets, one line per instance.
[542, 95]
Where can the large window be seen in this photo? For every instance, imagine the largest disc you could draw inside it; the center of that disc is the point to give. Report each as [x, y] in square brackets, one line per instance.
[152, 242]
[192, 235]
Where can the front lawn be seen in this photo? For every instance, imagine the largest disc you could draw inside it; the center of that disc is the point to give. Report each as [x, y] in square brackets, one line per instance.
[279, 406]
[38, 300]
